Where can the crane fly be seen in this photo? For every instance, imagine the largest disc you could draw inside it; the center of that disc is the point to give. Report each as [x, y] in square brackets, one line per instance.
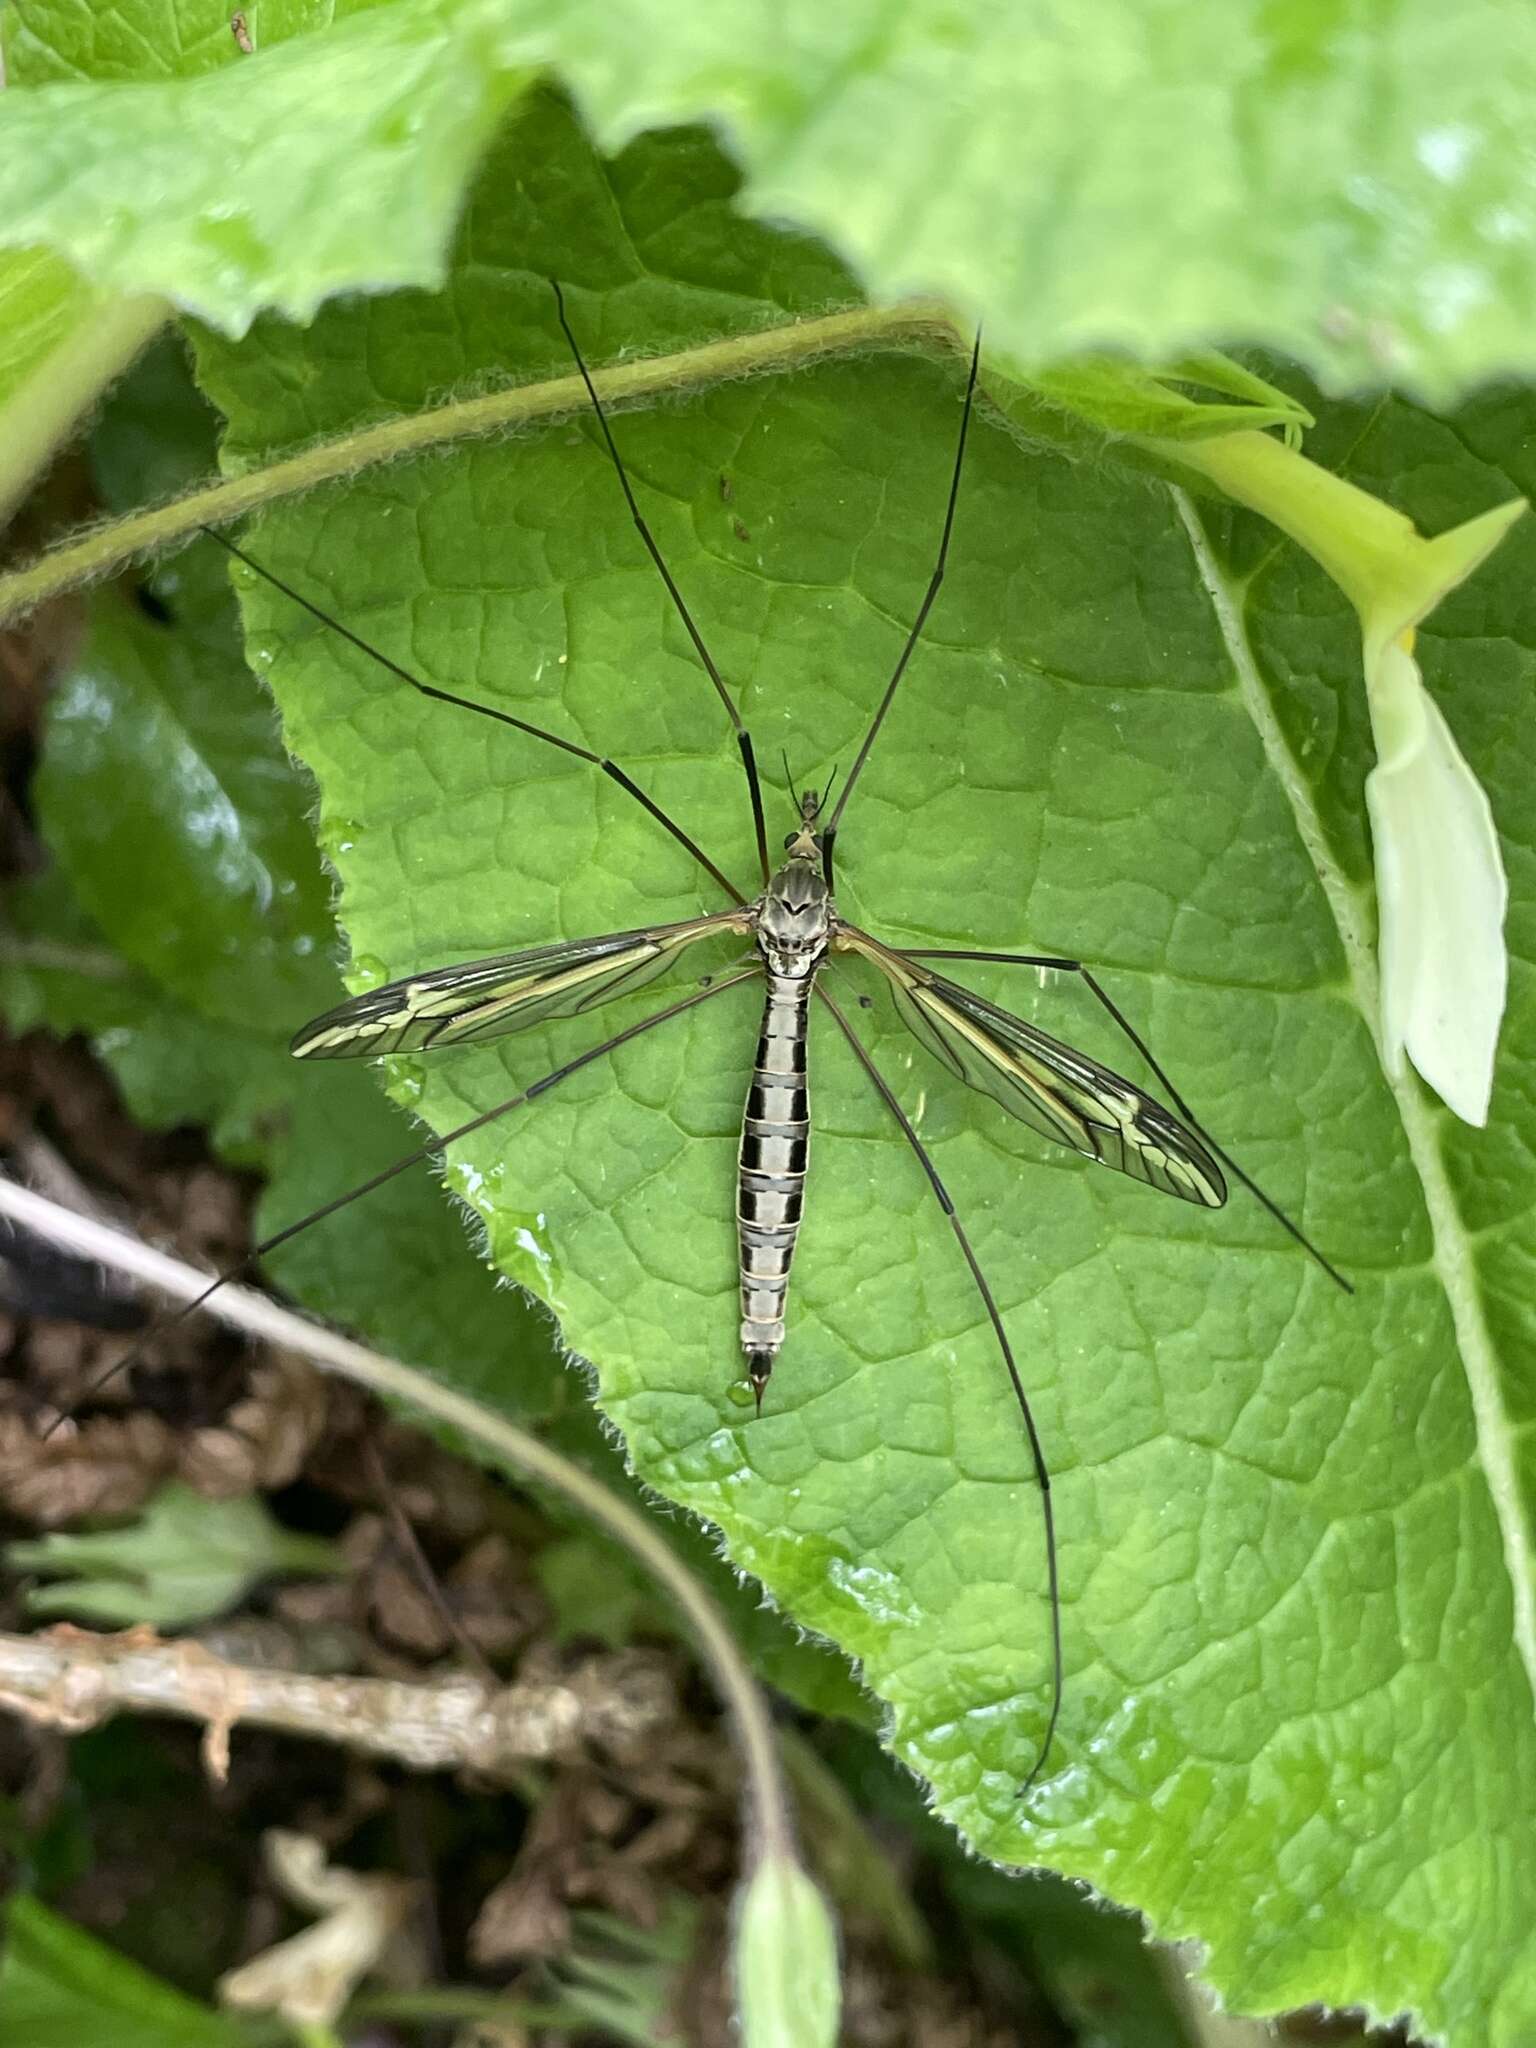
[796, 932]
[797, 940]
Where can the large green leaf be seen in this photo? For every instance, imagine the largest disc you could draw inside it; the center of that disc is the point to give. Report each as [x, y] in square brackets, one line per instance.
[1352, 185]
[1293, 1533]
[160, 158]
[233, 921]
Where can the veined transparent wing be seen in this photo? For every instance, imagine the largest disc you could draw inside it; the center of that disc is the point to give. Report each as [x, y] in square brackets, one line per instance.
[1051, 1087]
[487, 998]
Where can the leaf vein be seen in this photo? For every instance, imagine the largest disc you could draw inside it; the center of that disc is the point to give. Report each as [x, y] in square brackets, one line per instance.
[1453, 1256]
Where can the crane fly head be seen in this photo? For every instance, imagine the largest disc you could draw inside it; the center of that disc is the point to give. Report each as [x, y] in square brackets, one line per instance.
[805, 840]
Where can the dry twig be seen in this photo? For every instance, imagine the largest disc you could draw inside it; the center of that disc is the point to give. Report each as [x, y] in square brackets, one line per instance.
[70, 1679]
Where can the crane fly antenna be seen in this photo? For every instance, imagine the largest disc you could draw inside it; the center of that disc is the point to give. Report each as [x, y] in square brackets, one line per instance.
[994, 1317]
[935, 581]
[386, 1174]
[537, 732]
[743, 737]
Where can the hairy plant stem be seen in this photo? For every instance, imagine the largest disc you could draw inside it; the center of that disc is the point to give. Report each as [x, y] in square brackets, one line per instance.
[772, 350]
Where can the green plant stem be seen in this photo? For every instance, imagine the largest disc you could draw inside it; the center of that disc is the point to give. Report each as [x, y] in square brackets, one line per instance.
[315, 2034]
[770, 1831]
[45, 410]
[772, 350]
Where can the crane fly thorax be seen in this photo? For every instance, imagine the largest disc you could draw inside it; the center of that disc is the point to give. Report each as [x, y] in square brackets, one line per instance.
[794, 913]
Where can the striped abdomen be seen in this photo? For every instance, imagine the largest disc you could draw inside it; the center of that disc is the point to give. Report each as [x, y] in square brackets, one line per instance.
[775, 1142]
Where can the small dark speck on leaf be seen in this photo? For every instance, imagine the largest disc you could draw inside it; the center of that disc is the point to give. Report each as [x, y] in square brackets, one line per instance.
[152, 605]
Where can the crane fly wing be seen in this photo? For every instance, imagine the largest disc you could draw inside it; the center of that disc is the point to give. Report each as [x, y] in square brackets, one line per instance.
[1057, 1091]
[488, 998]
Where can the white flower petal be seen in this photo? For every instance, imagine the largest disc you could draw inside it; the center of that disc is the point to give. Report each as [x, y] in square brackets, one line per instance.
[1440, 881]
[1442, 894]
[310, 1977]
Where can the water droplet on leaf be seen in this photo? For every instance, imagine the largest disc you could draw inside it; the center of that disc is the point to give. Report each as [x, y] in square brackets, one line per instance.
[338, 835]
[407, 1080]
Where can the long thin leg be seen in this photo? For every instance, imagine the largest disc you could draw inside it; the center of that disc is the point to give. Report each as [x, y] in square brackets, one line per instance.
[1103, 997]
[401, 1165]
[537, 732]
[829, 834]
[743, 737]
[414, 1561]
[1005, 959]
[1037, 1452]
